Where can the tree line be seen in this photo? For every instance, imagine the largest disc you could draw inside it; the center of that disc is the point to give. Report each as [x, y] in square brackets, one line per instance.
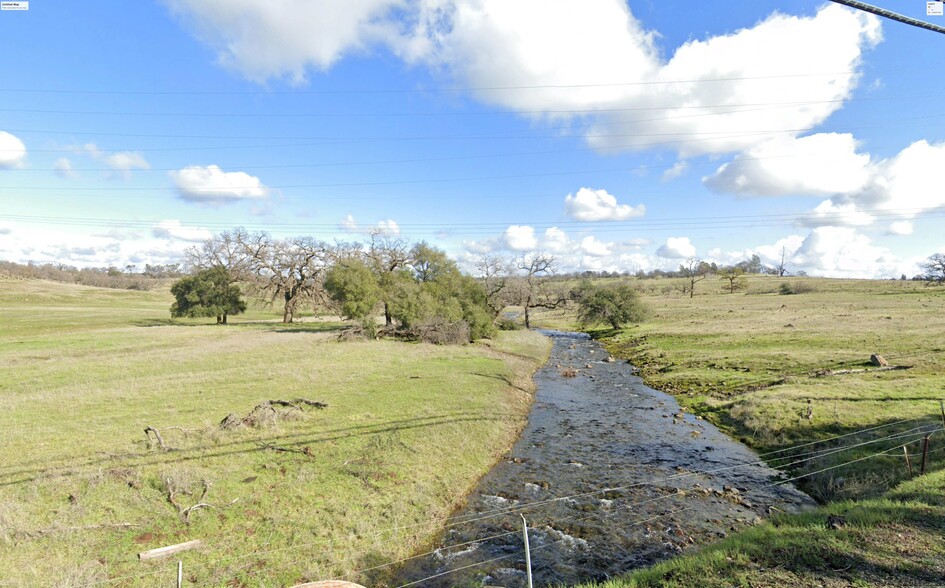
[388, 285]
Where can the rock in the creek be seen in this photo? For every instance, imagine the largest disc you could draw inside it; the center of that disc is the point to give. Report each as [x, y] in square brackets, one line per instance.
[588, 366]
[878, 360]
[610, 359]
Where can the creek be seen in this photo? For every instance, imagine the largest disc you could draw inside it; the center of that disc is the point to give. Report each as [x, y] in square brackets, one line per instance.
[610, 474]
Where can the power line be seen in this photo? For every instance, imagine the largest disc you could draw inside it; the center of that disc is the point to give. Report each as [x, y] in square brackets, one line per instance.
[422, 90]
[891, 15]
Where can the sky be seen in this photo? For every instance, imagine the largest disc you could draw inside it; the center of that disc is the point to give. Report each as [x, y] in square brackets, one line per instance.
[617, 136]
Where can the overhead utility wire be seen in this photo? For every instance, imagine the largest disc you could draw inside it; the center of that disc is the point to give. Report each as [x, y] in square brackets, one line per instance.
[425, 90]
[891, 15]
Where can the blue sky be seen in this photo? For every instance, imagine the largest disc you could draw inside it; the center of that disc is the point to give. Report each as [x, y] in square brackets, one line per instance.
[617, 136]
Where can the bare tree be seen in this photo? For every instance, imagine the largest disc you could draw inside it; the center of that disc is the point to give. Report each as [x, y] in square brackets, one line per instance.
[781, 269]
[736, 279]
[496, 276]
[935, 268]
[289, 270]
[694, 270]
[536, 289]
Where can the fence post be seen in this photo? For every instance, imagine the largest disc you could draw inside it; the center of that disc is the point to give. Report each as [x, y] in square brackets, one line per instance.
[905, 451]
[925, 452]
[528, 554]
[180, 573]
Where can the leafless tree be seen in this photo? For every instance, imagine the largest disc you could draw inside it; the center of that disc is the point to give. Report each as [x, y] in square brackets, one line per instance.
[288, 270]
[694, 270]
[535, 287]
[781, 269]
[935, 268]
[496, 276]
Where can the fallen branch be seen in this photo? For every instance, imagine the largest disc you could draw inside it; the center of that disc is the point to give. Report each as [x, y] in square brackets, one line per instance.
[148, 431]
[307, 451]
[169, 550]
[182, 512]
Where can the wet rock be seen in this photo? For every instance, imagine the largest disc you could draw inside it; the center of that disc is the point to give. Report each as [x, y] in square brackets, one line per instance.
[610, 359]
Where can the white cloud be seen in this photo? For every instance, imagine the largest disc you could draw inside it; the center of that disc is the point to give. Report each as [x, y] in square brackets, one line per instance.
[901, 188]
[173, 229]
[386, 227]
[212, 185]
[63, 168]
[676, 248]
[12, 151]
[548, 56]
[126, 161]
[678, 169]
[821, 164]
[900, 228]
[121, 161]
[282, 38]
[598, 205]
[591, 246]
[520, 238]
[555, 240]
[389, 227]
[842, 252]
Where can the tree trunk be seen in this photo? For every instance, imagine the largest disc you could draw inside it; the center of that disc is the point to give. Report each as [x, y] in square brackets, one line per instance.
[528, 323]
[219, 319]
[387, 318]
[224, 318]
[289, 310]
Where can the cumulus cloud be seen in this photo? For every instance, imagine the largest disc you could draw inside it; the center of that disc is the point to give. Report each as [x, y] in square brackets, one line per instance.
[900, 188]
[678, 169]
[174, 229]
[386, 227]
[212, 185]
[12, 151]
[598, 205]
[676, 248]
[520, 238]
[592, 246]
[544, 56]
[126, 161]
[843, 252]
[283, 38]
[822, 164]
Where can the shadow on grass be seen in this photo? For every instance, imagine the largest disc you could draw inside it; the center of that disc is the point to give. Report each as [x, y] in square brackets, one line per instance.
[289, 441]
[273, 326]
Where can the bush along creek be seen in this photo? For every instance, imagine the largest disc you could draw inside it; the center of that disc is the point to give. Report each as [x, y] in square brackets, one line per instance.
[610, 475]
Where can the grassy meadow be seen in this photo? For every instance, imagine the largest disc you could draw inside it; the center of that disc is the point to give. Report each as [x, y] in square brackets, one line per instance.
[768, 368]
[780, 370]
[302, 495]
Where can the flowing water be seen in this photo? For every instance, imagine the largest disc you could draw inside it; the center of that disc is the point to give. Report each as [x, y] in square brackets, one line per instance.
[610, 475]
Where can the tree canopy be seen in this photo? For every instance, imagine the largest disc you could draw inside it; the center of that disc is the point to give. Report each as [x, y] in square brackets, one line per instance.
[209, 292]
[617, 305]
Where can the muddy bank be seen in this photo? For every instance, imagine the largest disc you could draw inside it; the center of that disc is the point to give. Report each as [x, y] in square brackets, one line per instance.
[610, 475]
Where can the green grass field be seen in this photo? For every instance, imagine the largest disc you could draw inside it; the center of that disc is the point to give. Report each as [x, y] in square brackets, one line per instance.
[763, 366]
[306, 495]
[758, 364]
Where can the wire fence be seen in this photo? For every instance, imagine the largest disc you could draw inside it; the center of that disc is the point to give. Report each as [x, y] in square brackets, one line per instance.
[906, 437]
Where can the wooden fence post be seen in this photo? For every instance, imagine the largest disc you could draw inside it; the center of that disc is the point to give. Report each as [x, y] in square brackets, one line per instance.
[925, 453]
[905, 451]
